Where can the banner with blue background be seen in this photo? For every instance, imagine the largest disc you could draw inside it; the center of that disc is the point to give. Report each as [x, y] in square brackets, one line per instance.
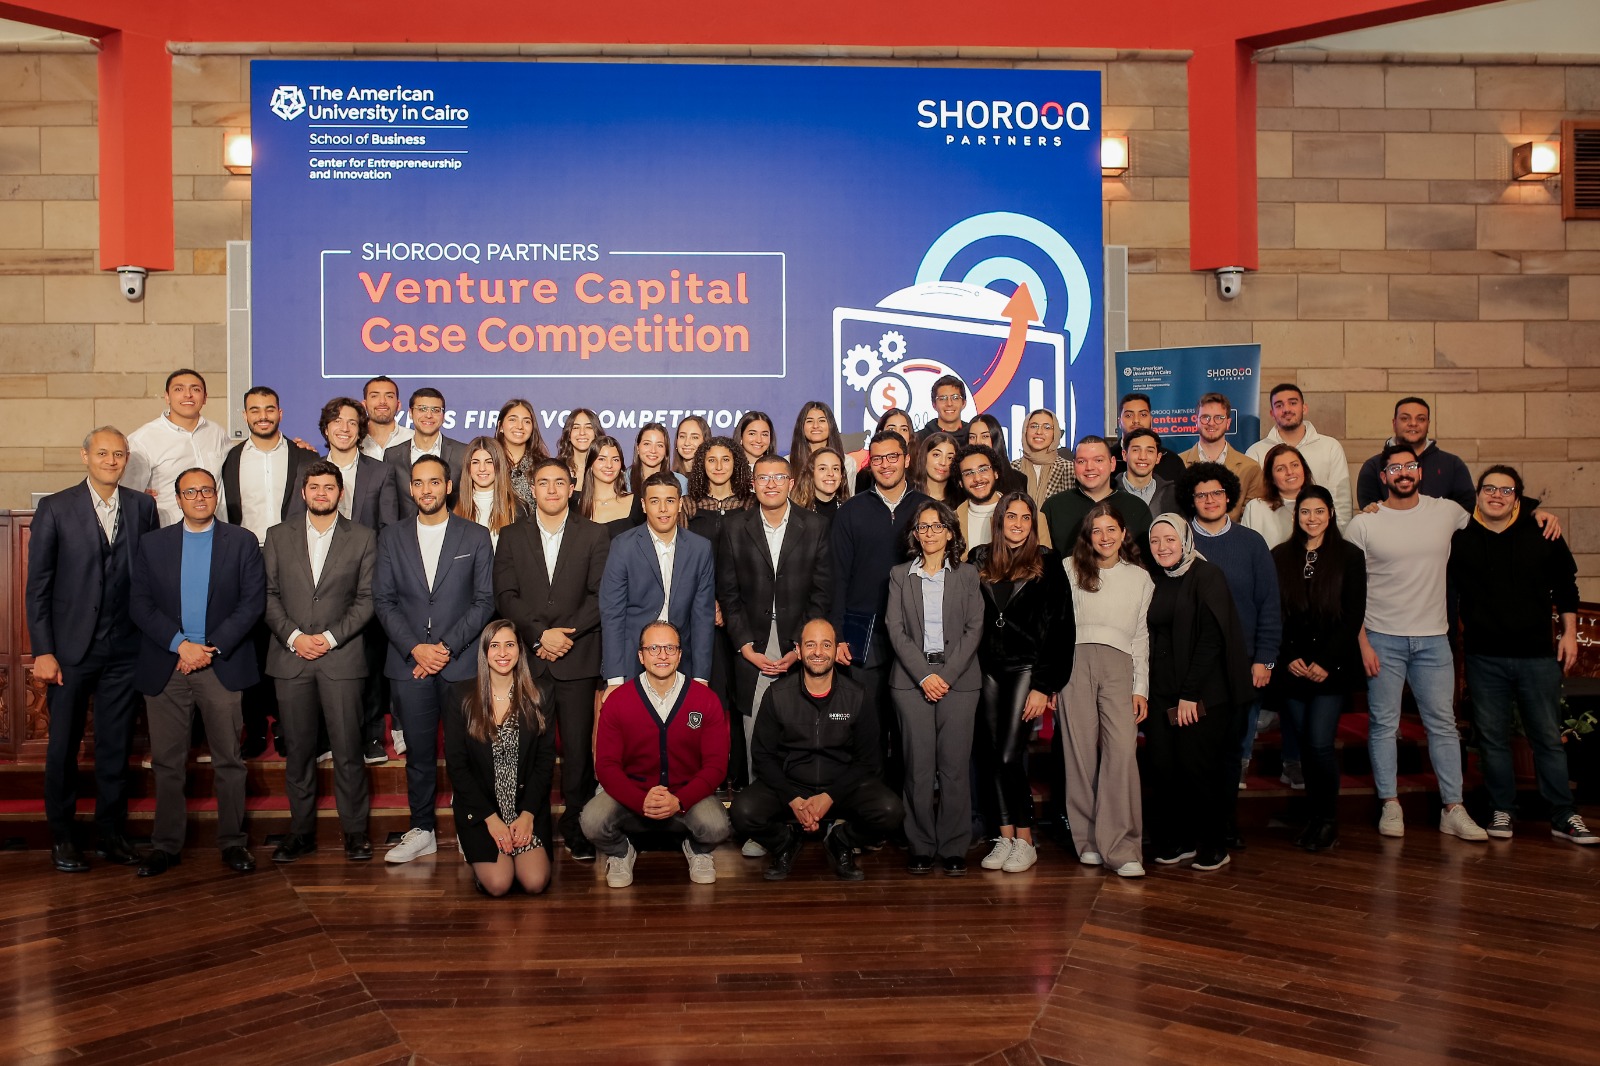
[1175, 378]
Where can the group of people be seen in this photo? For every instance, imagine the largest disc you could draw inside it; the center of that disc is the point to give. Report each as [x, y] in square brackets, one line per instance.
[860, 644]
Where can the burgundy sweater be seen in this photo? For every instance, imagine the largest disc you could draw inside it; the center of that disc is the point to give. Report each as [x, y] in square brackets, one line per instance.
[635, 750]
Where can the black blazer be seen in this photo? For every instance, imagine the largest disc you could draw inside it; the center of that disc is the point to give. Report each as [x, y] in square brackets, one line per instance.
[524, 593]
[454, 454]
[65, 578]
[471, 764]
[748, 590]
[293, 502]
[236, 598]
[378, 492]
[1036, 630]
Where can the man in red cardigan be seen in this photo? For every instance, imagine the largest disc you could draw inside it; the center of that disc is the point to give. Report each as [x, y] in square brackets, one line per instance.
[660, 753]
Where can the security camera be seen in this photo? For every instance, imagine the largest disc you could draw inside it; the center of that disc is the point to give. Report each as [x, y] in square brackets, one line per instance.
[1230, 282]
[130, 279]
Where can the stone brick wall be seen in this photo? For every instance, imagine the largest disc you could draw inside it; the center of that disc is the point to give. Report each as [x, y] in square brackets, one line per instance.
[1397, 256]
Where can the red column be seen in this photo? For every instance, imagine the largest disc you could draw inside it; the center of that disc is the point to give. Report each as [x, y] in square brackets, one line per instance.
[135, 152]
[1222, 157]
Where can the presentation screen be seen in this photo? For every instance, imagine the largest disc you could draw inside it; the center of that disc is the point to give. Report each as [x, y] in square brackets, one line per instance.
[657, 240]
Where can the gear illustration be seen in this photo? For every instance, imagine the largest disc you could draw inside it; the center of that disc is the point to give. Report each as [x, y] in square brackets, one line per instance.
[892, 346]
[861, 365]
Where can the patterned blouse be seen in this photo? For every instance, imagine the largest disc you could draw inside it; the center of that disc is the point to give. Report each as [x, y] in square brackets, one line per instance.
[507, 747]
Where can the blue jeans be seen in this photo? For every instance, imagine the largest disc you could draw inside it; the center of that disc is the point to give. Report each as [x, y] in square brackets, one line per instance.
[1316, 721]
[608, 824]
[1286, 729]
[1427, 664]
[1535, 685]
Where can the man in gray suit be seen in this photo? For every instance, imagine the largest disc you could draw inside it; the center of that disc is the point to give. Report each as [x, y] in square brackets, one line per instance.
[319, 597]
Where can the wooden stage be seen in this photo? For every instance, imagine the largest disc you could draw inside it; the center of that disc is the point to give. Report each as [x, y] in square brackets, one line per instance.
[1426, 950]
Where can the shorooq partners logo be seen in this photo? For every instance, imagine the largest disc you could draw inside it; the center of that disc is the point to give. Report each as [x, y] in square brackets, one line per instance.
[1230, 373]
[288, 102]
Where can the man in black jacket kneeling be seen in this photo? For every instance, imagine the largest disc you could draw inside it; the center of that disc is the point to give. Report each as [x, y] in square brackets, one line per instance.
[815, 754]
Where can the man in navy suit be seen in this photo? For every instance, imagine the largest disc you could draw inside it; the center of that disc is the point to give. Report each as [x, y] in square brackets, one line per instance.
[657, 572]
[198, 590]
[434, 593]
[80, 570]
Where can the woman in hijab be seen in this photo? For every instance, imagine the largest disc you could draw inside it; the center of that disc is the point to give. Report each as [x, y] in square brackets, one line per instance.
[1047, 470]
[1199, 682]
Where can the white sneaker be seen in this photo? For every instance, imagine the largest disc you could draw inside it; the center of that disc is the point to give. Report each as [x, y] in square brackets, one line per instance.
[1091, 858]
[1392, 822]
[1130, 869]
[1244, 770]
[702, 869]
[399, 740]
[1458, 823]
[414, 845]
[1500, 825]
[619, 868]
[1023, 856]
[752, 850]
[996, 859]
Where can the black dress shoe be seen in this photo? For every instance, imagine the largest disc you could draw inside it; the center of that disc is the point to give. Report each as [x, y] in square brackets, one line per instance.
[67, 858]
[238, 859]
[580, 849]
[120, 850]
[920, 864]
[294, 847]
[1321, 836]
[357, 847]
[843, 853]
[158, 862]
[954, 865]
[783, 859]
[253, 747]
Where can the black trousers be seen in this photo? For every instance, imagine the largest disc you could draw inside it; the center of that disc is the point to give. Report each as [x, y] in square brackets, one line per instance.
[874, 679]
[1000, 744]
[259, 701]
[1194, 777]
[106, 674]
[375, 690]
[870, 811]
[573, 716]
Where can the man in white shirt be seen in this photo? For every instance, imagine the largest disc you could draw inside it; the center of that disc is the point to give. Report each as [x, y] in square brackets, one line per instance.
[381, 397]
[181, 439]
[1324, 455]
[1213, 421]
[319, 599]
[1407, 544]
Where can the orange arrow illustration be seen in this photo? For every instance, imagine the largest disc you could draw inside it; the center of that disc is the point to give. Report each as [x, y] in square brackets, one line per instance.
[1020, 310]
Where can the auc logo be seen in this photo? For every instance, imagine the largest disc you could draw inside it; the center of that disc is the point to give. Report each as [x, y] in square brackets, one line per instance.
[288, 102]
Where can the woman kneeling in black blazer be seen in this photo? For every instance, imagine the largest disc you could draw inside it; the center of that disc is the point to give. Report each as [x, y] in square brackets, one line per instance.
[501, 758]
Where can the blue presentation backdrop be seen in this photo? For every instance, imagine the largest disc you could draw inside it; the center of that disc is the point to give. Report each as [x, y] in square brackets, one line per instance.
[655, 240]
[1176, 378]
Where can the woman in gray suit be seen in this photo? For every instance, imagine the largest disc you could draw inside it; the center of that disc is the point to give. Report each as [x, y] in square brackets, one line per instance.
[935, 622]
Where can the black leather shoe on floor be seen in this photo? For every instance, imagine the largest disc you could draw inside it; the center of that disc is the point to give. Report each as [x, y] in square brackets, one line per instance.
[843, 853]
[67, 858]
[238, 859]
[1322, 836]
[919, 864]
[954, 866]
[580, 849]
[158, 862]
[294, 847]
[120, 850]
[783, 859]
[357, 847]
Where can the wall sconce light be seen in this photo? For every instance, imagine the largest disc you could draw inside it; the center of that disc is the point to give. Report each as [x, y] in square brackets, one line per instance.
[1113, 156]
[236, 153]
[1536, 160]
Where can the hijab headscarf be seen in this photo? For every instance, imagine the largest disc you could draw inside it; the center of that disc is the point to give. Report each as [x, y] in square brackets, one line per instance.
[1046, 458]
[1185, 537]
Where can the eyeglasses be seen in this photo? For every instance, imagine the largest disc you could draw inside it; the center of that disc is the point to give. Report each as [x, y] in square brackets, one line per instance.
[657, 649]
[1214, 494]
[928, 527]
[976, 471]
[205, 493]
[949, 397]
[431, 410]
[770, 479]
[1507, 491]
[887, 459]
[1409, 468]
[1213, 420]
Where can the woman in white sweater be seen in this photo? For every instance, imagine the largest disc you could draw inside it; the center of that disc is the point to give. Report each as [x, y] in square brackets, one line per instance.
[1106, 698]
[1285, 473]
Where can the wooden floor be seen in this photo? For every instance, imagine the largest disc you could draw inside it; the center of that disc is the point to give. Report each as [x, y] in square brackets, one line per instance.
[1416, 951]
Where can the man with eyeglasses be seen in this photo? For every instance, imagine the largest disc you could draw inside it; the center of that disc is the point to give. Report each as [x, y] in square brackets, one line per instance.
[867, 539]
[199, 587]
[1509, 580]
[1443, 475]
[661, 751]
[427, 416]
[1405, 639]
[979, 468]
[1213, 420]
[774, 570]
[949, 395]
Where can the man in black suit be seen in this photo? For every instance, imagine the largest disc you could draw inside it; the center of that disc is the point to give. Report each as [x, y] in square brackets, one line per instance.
[434, 593]
[80, 563]
[198, 589]
[427, 416]
[370, 497]
[774, 571]
[261, 487]
[547, 574]
[319, 599]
